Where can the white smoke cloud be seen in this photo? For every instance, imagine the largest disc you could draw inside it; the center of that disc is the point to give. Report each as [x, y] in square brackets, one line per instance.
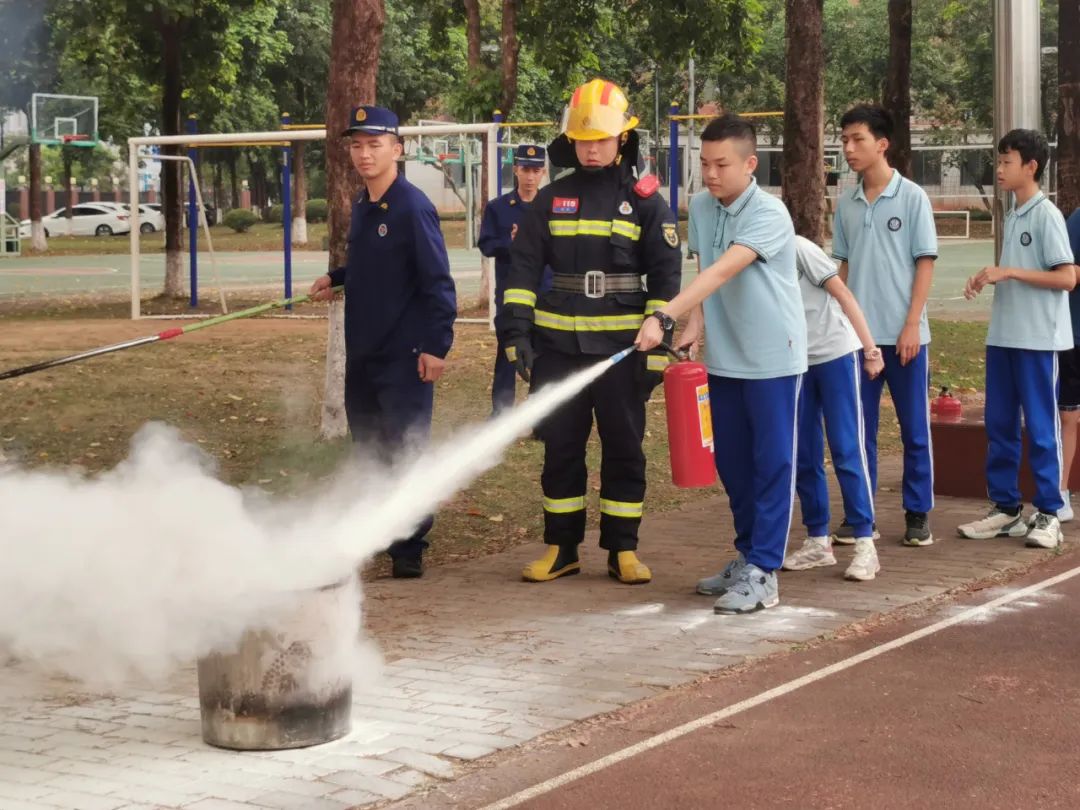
[134, 571]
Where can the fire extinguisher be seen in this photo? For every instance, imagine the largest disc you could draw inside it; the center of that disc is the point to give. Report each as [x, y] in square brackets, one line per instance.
[946, 407]
[689, 420]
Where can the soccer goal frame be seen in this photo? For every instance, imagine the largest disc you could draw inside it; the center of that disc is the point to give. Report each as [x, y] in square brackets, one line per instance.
[137, 144]
[966, 214]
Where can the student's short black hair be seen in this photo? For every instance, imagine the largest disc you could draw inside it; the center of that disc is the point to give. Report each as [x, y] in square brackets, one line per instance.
[1031, 144]
[876, 118]
[731, 127]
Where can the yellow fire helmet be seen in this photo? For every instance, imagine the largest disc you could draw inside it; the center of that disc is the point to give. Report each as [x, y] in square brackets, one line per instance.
[598, 110]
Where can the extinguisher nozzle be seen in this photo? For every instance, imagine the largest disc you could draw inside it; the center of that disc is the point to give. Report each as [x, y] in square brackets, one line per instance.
[615, 358]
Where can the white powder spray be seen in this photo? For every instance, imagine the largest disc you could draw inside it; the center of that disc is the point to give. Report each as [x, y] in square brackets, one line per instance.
[156, 562]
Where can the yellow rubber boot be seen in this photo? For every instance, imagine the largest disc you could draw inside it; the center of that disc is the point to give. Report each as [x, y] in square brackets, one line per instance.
[558, 561]
[627, 568]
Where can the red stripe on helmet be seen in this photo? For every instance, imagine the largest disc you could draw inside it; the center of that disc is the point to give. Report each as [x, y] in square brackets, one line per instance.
[605, 95]
[576, 98]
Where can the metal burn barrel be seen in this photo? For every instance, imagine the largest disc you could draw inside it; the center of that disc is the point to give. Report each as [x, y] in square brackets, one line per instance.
[289, 684]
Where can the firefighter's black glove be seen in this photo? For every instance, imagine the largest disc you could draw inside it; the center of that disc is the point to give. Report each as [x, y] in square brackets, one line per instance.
[519, 351]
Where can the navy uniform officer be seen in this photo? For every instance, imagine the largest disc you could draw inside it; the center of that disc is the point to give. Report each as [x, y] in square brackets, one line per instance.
[497, 230]
[400, 306]
[601, 233]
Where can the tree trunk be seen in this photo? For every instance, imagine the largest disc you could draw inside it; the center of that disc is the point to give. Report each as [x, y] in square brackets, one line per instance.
[1068, 119]
[355, 41]
[219, 188]
[38, 242]
[898, 84]
[170, 169]
[69, 214]
[299, 203]
[510, 48]
[472, 33]
[803, 171]
[234, 182]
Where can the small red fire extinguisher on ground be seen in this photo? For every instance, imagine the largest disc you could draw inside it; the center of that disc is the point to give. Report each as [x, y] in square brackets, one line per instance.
[690, 428]
[946, 407]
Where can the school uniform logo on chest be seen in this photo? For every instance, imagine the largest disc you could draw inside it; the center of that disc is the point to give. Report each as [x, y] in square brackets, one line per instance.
[383, 229]
[895, 223]
[1025, 239]
[564, 205]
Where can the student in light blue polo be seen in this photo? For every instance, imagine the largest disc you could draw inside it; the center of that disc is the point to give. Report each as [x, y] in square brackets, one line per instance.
[884, 237]
[746, 299]
[1029, 325]
[836, 330]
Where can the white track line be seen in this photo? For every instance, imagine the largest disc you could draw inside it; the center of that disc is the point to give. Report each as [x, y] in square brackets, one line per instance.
[776, 692]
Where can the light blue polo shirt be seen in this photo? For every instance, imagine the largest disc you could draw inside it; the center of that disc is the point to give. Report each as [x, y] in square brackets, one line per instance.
[754, 324]
[881, 243]
[1026, 317]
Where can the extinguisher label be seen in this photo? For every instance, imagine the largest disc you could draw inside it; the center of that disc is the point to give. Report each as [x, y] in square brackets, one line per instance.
[704, 416]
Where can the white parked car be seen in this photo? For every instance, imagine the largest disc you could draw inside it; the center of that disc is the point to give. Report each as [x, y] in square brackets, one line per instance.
[150, 217]
[87, 219]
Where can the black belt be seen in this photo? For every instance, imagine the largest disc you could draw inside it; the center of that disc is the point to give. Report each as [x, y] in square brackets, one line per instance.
[597, 283]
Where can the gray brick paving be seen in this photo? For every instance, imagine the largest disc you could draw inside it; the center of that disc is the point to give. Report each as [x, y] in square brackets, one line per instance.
[499, 663]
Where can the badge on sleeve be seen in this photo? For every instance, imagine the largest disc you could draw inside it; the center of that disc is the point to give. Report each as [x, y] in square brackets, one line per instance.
[564, 205]
[625, 208]
[671, 234]
[382, 229]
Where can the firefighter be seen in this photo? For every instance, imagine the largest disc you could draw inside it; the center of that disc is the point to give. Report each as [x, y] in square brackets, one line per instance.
[614, 249]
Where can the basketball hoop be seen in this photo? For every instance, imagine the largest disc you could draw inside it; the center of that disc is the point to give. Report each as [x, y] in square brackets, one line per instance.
[449, 157]
[76, 140]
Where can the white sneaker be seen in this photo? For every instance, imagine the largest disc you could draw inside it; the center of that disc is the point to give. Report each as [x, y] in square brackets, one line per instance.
[1065, 513]
[816, 552]
[1045, 531]
[995, 524]
[864, 566]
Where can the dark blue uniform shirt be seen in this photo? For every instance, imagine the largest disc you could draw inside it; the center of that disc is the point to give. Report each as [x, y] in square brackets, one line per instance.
[500, 217]
[1073, 226]
[399, 297]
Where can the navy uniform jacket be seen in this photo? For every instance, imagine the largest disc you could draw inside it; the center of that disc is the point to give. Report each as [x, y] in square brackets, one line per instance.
[400, 300]
[500, 217]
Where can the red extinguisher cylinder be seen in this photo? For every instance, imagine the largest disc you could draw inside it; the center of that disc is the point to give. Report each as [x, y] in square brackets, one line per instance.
[690, 428]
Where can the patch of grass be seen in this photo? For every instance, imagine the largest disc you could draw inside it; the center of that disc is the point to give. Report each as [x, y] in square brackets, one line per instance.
[263, 236]
[958, 356]
[249, 394]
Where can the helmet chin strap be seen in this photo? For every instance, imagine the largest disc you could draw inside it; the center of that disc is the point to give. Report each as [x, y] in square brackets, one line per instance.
[622, 142]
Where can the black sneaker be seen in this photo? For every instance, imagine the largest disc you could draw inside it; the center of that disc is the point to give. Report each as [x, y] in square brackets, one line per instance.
[845, 534]
[408, 568]
[918, 529]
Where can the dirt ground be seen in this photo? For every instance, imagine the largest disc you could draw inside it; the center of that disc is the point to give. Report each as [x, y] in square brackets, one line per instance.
[249, 394]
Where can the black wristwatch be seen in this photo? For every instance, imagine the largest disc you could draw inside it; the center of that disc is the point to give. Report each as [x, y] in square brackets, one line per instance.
[667, 323]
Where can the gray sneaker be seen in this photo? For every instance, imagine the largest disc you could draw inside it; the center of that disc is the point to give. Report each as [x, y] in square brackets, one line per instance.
[845, 534]
[717, 584]
[753, 590]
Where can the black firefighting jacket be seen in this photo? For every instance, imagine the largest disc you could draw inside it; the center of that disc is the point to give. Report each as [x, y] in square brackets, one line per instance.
[587, 221]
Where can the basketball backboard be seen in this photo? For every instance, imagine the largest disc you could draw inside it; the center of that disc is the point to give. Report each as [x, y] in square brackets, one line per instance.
[68, 120]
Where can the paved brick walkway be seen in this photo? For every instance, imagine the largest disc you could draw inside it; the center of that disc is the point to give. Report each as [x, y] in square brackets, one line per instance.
[477, 662]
